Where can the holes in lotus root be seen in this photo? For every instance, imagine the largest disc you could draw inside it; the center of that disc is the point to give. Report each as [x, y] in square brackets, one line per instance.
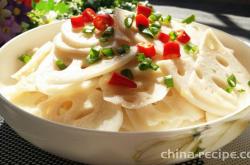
[220, 83]
[181, 71]
[222, 61]
[170, 93]
[64, 107]
[199, 73]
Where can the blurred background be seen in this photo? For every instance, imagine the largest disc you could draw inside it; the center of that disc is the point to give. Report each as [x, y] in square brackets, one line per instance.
[17, 16]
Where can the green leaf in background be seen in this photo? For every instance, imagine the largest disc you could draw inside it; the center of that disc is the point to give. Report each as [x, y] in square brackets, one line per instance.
[42, 12]
[61, 8]
[51, 4]
[42, 6]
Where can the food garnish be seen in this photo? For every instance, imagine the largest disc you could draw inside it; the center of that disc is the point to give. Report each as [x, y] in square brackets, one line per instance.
[141, 21]
[88, 15]
[102, 21]
[123, 49]
[191, 49]
[94, 56]
[169, 81]
[171, 50]
[163, 37]
[189, 19]
[89, 29]
[25, 58]
[144, 10]
[182, 36]
[129, 21]
[167, 20]
[60, 64]
[146, 63]
[107, 52]
[120, 80]
[172, 35]
[147, 49]
[128, 73]
[77, 21]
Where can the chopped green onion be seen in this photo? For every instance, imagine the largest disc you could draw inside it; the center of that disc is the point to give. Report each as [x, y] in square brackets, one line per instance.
[156, 24]
[229, 89]
[147, 32]
[231, 80]
[155, 17]
[103, 39]
[172, 36]
[89, 29]
[241, 90]
[123, 49]
[60, 64]
[249, 83]
[154, 30]
[25, 58]
[107, 52]
[94, 56]
[140, 57]
[108, 33]
[154, 66]
[169, 81]
[167, 20]
[145, 63]
[191, 49]
[189, 19]
[127, 73]
[129, 21]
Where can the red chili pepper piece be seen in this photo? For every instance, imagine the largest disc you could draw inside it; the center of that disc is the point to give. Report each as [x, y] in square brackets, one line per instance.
[147, 49]
[171, 50]
[141, 20]
[163, 37]
[120, 80]
[182, 36]
[146, 11]
[102, 21]
[88, 15]
[77, 21]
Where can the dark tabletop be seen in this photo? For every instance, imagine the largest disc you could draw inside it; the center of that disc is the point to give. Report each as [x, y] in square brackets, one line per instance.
[228, 15]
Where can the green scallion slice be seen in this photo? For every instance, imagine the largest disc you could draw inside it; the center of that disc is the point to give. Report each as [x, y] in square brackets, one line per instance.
[232, 81]
[60, 64]
[89, 29]
[147, 32]
[107, 52]
[169, 81]
[127, 73]
[166, 20]
[241, 90]
[145, 63]
[229, 89]
[172, 36]
[154, 30]
[140, 57]
[189, 19]
[94, 56]
[248, 83]
[129, 21]
[108, 33]
[191, 49]
[25, 58]
[155, 17]
[123, 49]
[156, 24]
